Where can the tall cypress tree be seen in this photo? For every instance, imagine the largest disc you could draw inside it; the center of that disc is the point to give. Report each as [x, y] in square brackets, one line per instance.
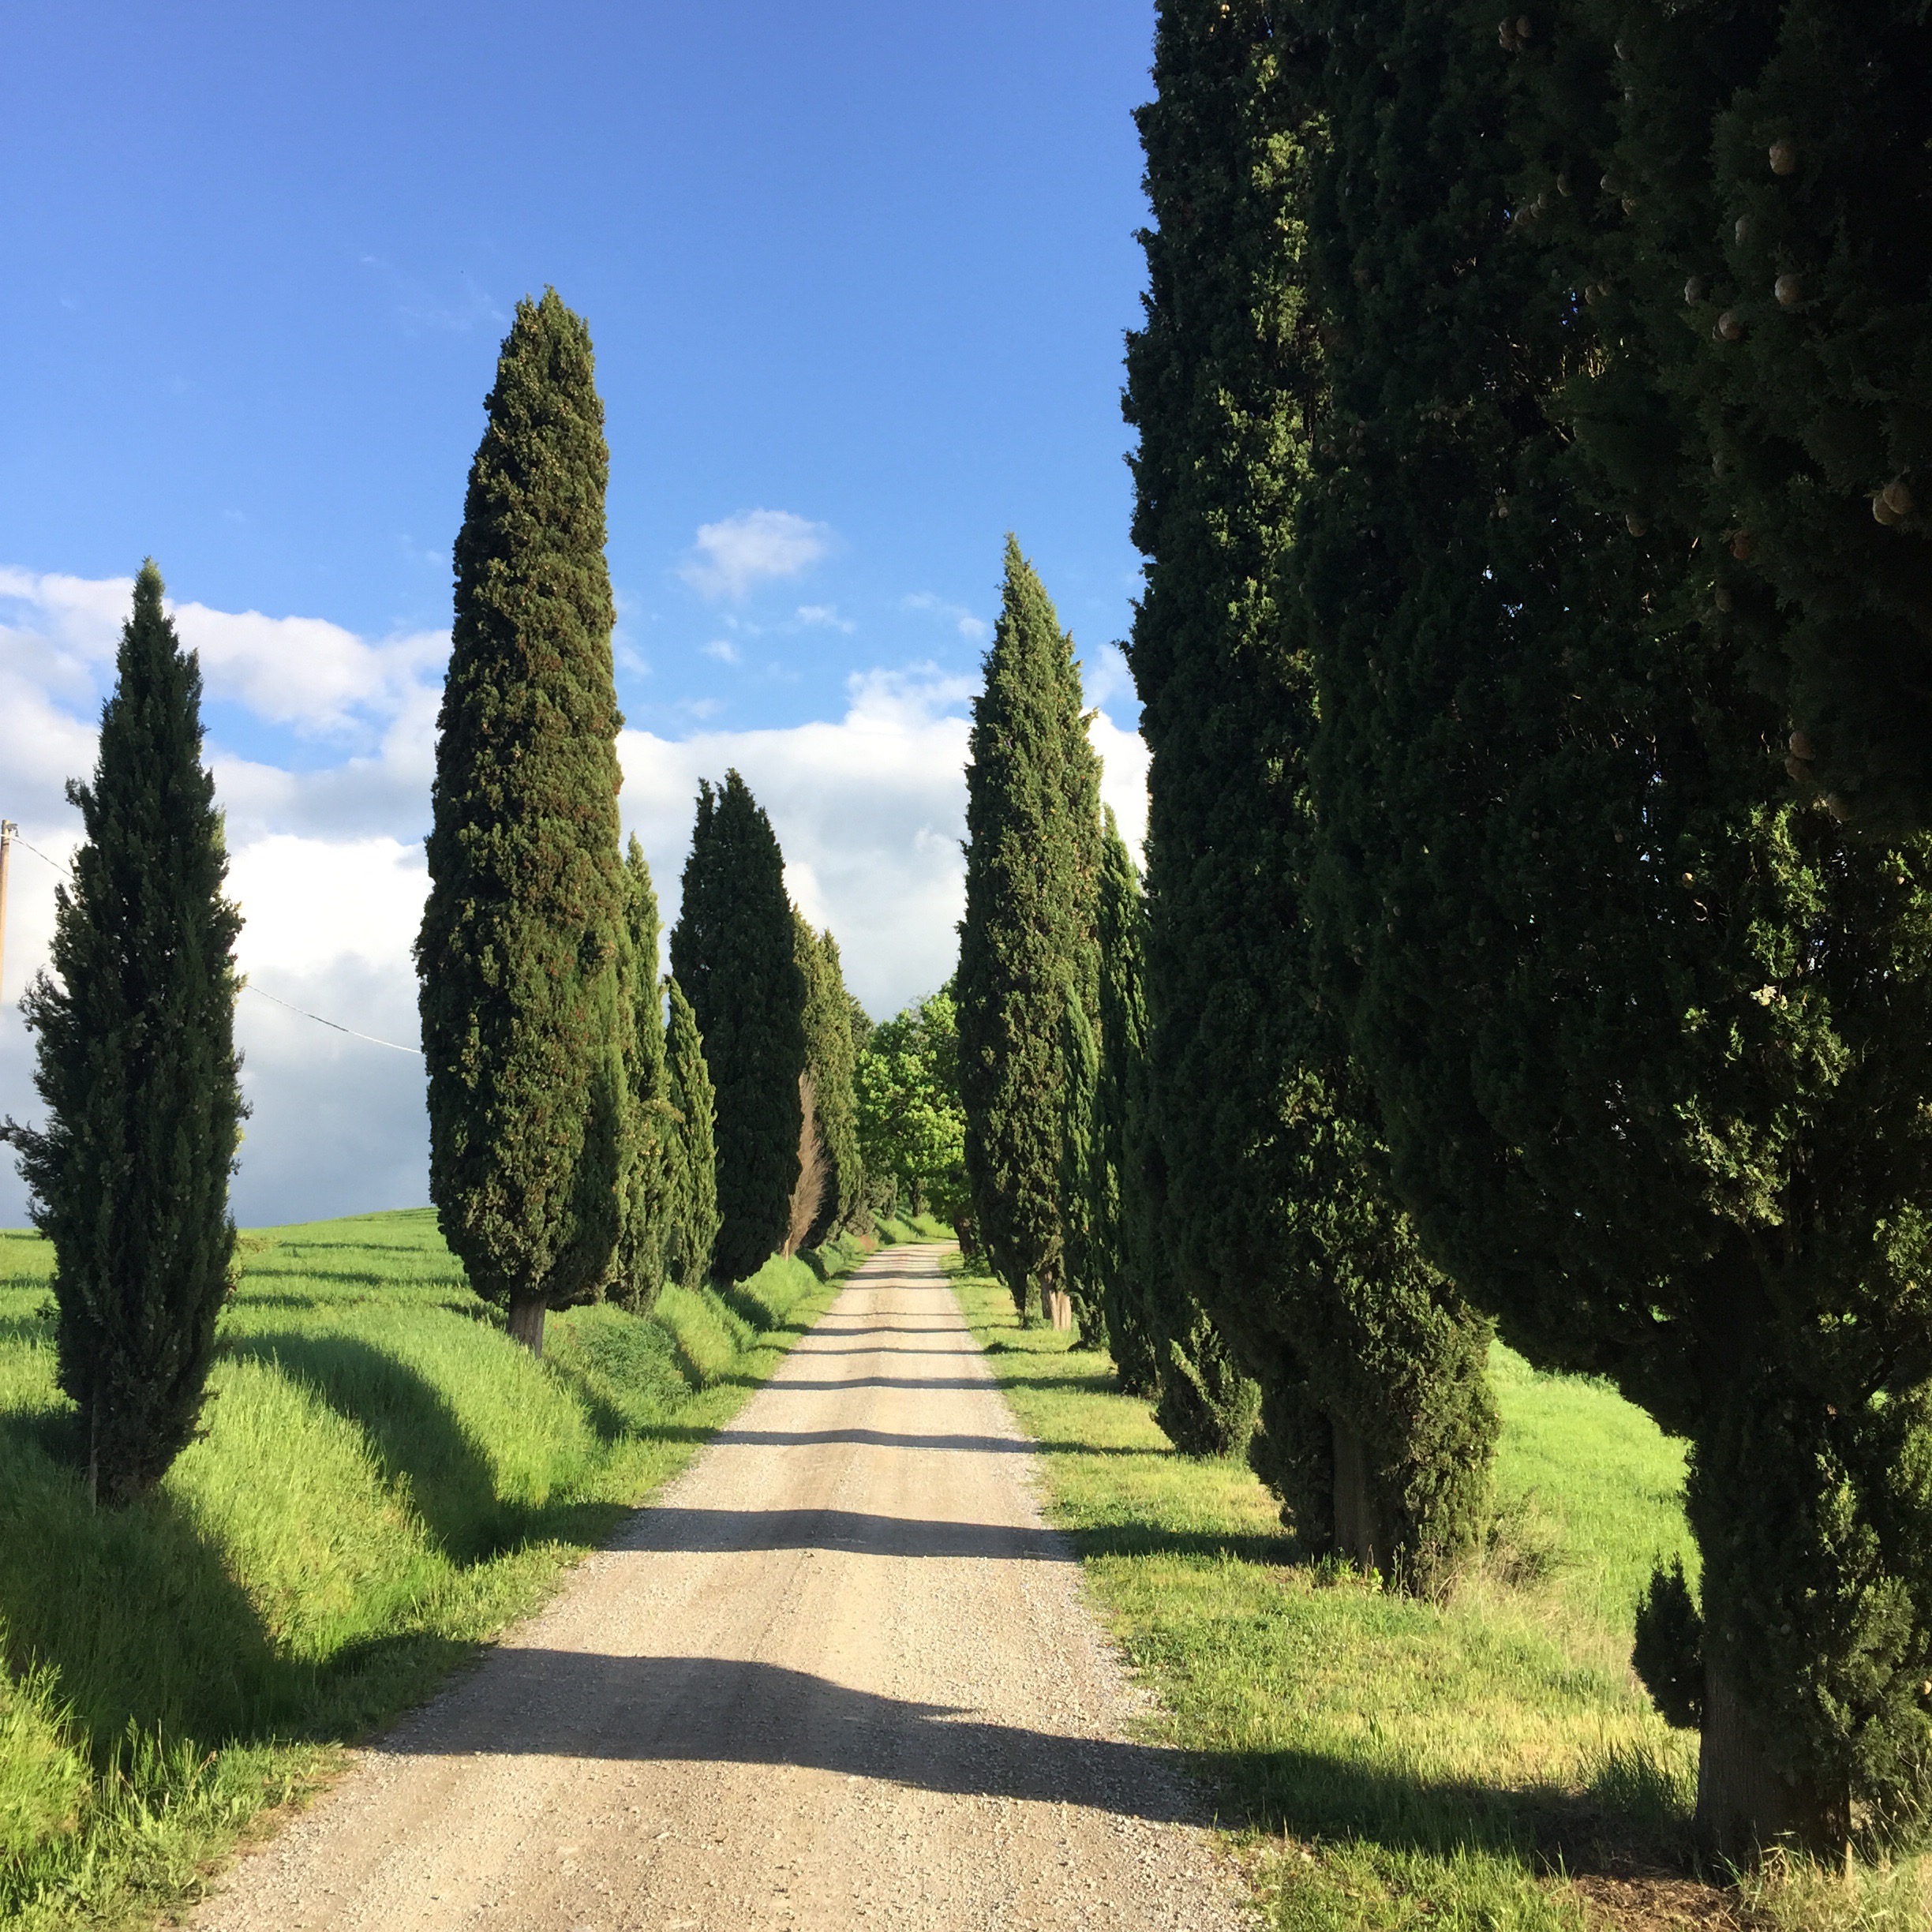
[1118, 1262]
[650, 1127]
[691, 1230]
[733, 951]
[1083, 1183]
[1647, 1035]
[1267, 1175]
[1026, 941]
[830, 1059]
[522, 932]
[137, 1067]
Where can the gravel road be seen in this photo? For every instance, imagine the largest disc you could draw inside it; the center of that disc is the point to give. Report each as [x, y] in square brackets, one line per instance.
[839, 1675]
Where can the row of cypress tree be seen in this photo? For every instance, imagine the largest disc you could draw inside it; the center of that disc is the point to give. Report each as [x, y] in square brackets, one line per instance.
[1537, 927]
[592, 1130]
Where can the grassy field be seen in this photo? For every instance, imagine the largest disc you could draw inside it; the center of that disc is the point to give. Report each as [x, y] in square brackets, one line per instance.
[384, 1481]
[1487, 1763]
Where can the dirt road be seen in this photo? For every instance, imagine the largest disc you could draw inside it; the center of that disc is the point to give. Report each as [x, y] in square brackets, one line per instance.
[840, 1675]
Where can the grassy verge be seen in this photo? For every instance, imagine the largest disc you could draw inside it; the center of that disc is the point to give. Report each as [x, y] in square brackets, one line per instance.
[1486, 1762]
[383, 1482]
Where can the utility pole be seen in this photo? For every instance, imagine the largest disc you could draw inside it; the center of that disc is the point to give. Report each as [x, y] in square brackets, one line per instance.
[9, 833]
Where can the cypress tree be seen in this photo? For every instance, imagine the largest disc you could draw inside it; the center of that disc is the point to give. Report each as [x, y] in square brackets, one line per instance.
[1026, 941]
[1083, 1182]
[649, 1155]
[830, 1059]
[518, 953]
[1646, 1033]
[691, 1230]
[733, 951]
[136, 1065]
[1266, 1173]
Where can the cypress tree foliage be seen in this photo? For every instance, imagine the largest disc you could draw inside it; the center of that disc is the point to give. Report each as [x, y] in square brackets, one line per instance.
[1082, 1181]
[650, 1157]
[1266, 1173]
[1762, 260]
[733, 951]
[136, 1065]
[523, 1035]
[829, 1059]
[1646, 1033]
[691, 1234]
[1033, 861]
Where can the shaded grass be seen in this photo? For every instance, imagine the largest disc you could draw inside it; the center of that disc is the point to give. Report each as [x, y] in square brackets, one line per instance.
[1391, 1763]
[383, 1482]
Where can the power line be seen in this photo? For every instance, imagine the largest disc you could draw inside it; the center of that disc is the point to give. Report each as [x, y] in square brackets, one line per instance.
[248, 984]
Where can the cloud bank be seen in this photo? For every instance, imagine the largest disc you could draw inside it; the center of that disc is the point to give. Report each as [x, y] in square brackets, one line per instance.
[327, 860]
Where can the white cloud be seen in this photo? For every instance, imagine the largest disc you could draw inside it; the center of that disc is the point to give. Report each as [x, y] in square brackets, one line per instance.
[722, 649]
[731, 556]
[974, 629]
[327, 866]
[823, 617]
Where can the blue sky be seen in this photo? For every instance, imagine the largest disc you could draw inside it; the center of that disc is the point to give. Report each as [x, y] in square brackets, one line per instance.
[858, 277]
[866, 266]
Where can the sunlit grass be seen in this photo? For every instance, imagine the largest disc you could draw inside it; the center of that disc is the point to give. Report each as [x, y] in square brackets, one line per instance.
[1386, 1762]
[383, 1482]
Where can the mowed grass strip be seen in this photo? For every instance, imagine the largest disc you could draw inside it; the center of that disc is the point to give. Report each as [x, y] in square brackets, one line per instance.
[384, 1481]
[1487, 1763]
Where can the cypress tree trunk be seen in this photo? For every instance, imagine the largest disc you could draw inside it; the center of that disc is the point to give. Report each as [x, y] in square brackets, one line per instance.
[1033, 861]
[519, 955]
[733, 951]
[136, 1065]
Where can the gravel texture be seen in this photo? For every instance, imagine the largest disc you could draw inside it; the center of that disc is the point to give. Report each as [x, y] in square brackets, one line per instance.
[840, 1674]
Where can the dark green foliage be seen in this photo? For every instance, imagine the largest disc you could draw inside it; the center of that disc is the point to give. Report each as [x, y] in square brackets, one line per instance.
[733, 952]
[1761, 261]
[1033, 861]
[829, 1059]
[1646, 1033]
[1668, 1654]
[690, 1233]
[650, 1155]
[523, 929]
[1082, 1181]
[136, 1065]
[1264, 1174]
[912, 1128]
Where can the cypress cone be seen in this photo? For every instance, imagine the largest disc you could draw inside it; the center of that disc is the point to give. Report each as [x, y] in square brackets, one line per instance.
[1026, 941]
[1267, 1175]
[136, 1063]
[691, 1234]
[733, 951]
[523, 1035]
[1647, 1035]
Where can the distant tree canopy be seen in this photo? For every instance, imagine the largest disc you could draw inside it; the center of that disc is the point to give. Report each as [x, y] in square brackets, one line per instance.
[910, 1126]
[523, 931]
[136, 1065]
[734, 952]
[1027, 941]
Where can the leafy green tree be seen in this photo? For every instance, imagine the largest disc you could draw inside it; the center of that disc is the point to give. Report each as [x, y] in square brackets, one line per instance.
[518, 955]
[733, 951]
[136, 1065]
[649, 1155]
[829, 1059]
[1032, 861]
[690, 1234]
[1646, 1032]
[1265, 1176]
[911, 1124]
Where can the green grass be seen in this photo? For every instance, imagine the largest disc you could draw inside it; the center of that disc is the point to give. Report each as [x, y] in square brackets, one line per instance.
[384, 1481]
[1392, 1764]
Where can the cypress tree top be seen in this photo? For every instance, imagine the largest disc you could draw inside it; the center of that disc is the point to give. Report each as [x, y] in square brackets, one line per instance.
[136, 1065]
[518, 953]
[733, 953]
[1033, 863]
